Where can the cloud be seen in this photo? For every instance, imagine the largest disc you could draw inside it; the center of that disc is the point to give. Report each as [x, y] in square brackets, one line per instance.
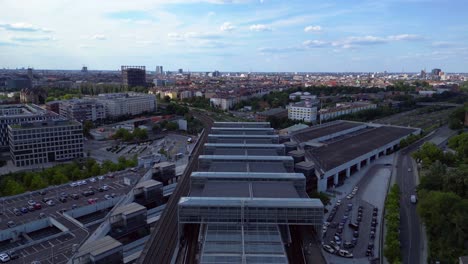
[193, 35]
[25, 27]
[405, 37]
[98, 37]
[442, 44]
[260, 27]
[227, 26]
[31, 39]
[315, 43]
[175, 36]
[312, 29]
[280, 50]
[129, 15]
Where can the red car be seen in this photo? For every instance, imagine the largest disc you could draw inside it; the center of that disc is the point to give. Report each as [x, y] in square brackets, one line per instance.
[92, 200]
[37, 206]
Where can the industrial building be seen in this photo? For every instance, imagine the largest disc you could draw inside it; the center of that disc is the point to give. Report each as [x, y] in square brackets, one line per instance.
[121, 104]
[82, 110]
[45, 141]
[333, 151]
[244, 200]
[133, 76]
[17, 114]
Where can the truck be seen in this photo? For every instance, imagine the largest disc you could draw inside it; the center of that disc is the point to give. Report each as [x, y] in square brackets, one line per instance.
[413, 199]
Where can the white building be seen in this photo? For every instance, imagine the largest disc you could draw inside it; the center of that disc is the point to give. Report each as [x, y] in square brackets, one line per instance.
[121, 104]
[82, 110]
[224, 102]
[344, 109]
[304, 111]
[45, 141]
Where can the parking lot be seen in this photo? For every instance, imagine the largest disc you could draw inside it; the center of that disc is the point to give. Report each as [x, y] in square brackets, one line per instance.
[60, 246]
[356, 219]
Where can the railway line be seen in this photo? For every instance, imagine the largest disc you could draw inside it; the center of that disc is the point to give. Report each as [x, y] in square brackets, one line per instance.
[163, 241]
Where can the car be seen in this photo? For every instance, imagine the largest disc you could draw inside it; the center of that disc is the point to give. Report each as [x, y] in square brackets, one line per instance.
[345, 216]
[370, 245]
[36, 262]
[92, 179]
[375, 209]
[354, 240]
[353, 192]
[413, 199]
[45, 199]
[42, 192]
[75, 196]
[42, 215]
[353, 226]
[334, 245]
[372, 228]
[107, 196]
[4, 257]
[329, 249]
[74, 206]
[62, 199]
[355, 188]
[359, 218]
[409, 169]
[13, 254]
[92, 200]
[349, 197]
[348, 244]
[350, 206]
[31, 202]
[337, 239]
[17, 212]
[338, 202]
[374, 223]
[105, 187]
[369, 252]
[100, 177]
[333, 225]
[11, 224]
[345, 253]
[64, 194]
[74, 184]
[88, 193]
[50, 203]
[24, 210]
[31, 208]
[374, 213]
[372, 235]
[111, 176]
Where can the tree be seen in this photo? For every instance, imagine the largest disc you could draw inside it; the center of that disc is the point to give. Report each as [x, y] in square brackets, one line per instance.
[428, 153]
[87, 125]
[140, 134]
[432, 179]
[167, 99]
[171, 126]
[37, 182]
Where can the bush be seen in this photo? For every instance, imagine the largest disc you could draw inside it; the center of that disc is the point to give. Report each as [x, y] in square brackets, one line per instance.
[392, 216]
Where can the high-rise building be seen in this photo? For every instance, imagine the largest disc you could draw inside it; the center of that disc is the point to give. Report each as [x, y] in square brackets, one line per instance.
[45, 141]
[436, 72]
[134, 76]
[82, 110]
[19, 113]
[181, 71]
[159, 70]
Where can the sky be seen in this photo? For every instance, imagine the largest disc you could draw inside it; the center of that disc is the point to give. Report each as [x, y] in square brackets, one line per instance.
[236, 35]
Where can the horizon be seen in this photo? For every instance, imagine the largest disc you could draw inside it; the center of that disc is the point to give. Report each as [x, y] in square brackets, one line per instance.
[237, 35]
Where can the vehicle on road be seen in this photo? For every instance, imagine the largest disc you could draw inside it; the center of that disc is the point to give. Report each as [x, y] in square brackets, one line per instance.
[4, 257]
[348, 244]
[413, 199]
[329, 249]
[338, 203]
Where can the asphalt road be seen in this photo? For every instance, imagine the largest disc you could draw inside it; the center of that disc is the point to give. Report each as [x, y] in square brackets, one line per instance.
[410, 225]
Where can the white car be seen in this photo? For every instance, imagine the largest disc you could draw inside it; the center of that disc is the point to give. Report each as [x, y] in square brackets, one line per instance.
[345, 253]
[107, 197]
[338, 202]
[105, 187]
[84, 182]
[73, 184]
[350, 196]
[92, 179]
[100, 177]
[4, 257]
[328, 249]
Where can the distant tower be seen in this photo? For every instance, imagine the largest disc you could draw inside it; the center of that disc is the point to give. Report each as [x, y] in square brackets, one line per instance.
[159, 70]
[181, 71]
[84, 69]
[30, 74]
[134, 76]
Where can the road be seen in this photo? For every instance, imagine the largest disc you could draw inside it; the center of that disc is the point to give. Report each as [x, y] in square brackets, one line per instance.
[410, 225]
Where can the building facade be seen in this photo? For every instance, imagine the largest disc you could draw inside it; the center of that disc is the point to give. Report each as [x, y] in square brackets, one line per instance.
[121, 104]
[344, 109]
[41, 142]
[19, 113]
[304, 111]
[82, 110]
[133, 76]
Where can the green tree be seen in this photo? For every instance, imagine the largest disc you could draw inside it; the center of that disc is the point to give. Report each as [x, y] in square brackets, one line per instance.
[171, 126]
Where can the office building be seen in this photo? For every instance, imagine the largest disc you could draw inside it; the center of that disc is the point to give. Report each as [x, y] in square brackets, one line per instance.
[436, 72]
[82, 110]
[303, 111]
[159, 70]
[133, 76]
[121, 104]
[19, 113]
[45, 141]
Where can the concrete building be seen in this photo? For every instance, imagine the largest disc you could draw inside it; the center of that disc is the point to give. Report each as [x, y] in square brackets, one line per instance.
[133, 76]
[82, 110]
[334, 151]
[122, 104]
[303, 111]
[101, 251]
[19, 113]
[344, 109]
[45, 141]
[159, 70]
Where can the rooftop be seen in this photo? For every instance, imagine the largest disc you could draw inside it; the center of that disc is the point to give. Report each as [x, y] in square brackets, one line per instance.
[323, 130]
[128, 209]
[251, 202]
[99, 246]
[246, 190]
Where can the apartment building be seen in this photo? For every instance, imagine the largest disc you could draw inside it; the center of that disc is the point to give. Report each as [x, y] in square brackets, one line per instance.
[45, 141]
[304, 111]
[19, 113]
[121, 104]
[344, 109]
[82, 110]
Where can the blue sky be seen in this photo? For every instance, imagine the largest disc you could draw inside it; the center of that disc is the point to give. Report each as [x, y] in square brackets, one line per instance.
[236, 35]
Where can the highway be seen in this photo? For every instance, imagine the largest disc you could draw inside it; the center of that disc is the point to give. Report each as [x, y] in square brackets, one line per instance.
[410, 225]
[163, 241]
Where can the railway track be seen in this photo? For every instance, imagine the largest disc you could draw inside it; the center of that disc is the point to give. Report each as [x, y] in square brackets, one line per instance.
[163, 241]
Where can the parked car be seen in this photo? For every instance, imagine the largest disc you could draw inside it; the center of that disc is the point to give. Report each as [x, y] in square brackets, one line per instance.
[37, 206]
[42, 192]
[17, 212]
[356, 234]
[372, 235]
[75, 196]
[107, 196]
[31, 208]
[105, 187]
[63, 199]
[31, 202]
[334, 245]
[345, 253]
[74, 184]
[113, 195]
[4, 257]
[24, 210]
[13, 254]
[50, 203]
[74, 206]
[42, 215]
[329, 249]
[11, 224]
[92, 179]
[100, 177]
[338, 202]
[348, 244]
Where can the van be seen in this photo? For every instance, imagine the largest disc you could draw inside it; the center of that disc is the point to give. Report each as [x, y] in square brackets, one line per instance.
[413, 199]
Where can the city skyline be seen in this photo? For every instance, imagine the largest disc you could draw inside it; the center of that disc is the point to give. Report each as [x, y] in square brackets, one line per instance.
[236, 35]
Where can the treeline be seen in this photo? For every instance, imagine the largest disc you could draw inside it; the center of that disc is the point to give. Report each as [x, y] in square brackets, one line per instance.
[392, 216]
[20, 182]
[457, 117]
[90, 89]
[443, 198]
[125, 135]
